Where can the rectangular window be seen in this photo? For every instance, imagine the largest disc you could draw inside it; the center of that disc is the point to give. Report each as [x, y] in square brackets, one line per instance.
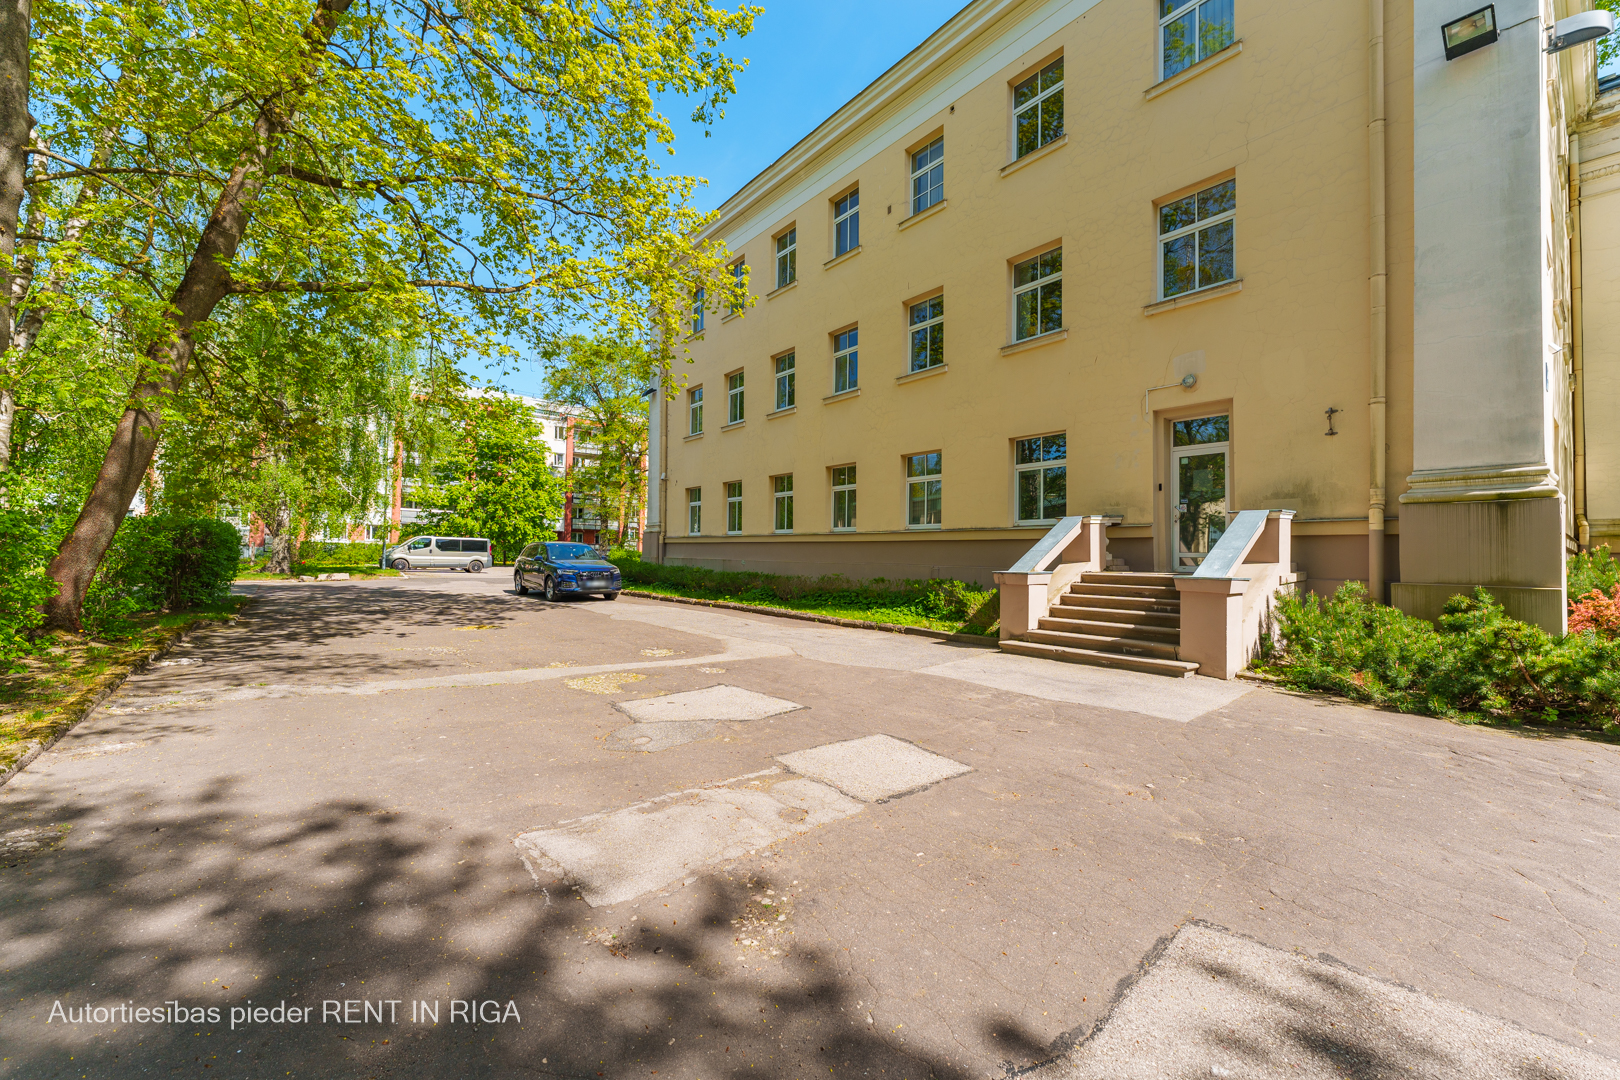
[697, 312]
[734, 398]
[787, 258]
[734, 507]
[560, 432]
[928, 175]
[1038, 295]
[784, 381]
[923, 479]
[1190, 31]
[843, 491]
[739, 279]
[847, 222]
[1038, 108]
[784, 502]
[846, 360]
[1042, 477]
[694, 511]
[694, 411]
[1195, 240]
[928, 333]
[557, 459]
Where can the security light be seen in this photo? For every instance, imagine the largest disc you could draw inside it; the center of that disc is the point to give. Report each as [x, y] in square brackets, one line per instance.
[1587, 26]
[1473, 31]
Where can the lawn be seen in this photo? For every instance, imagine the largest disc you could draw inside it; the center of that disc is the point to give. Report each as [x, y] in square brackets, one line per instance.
[357, 570]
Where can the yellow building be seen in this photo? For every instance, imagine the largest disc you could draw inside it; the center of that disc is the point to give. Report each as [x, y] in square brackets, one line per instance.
[1160, 260]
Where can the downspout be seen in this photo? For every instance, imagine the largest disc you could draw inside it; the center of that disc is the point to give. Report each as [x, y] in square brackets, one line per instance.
[1377, 180]
[1583, 529]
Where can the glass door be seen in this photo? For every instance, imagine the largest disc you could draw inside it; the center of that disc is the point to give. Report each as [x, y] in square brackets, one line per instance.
[1200, 487]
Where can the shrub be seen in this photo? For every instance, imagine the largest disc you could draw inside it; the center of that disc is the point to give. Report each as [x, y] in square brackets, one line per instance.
[24, 555]
[162, 563]
[1596, 612]
[346, 553]
[1589, 570]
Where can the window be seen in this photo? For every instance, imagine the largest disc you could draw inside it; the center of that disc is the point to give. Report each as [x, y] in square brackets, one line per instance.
[1195, 240]
[734, 398]
[1038, 295]
[847, 222]
[739, 277]
[697, 312]
[557, 459]
[928, 175]
[447, 544]
[421, 543]
[1206, 429]
[843, 489]
[923, 489]
[784, 502]
[787, 258]
[559, 432]
[928, 333]
[784, 381]
[1189, 31]
[846, 360]
[694, 411]
[475, 545]
[1042, 477]
[734, 507]
[1038, 107]
[694, 511]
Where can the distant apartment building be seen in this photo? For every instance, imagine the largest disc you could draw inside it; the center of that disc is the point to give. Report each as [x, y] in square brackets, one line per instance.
[1166, 260]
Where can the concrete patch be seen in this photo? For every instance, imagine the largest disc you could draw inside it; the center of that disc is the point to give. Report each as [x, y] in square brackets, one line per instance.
[710, 703]
[1107, 688]
[622, 854]
[610, 682]
[651, 738]
[1213, 1004]
[875, 768]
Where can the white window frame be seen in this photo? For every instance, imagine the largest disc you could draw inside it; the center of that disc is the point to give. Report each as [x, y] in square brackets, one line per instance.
[1036, 285]
[694, 411]
[847, 360]
[934, 190]
[733, 507]
[844, 485]
[851, 213]
[782, 503]
[1199, 226]
[787, 258]
[786, 367]
[922, 480]
[694, 511]
[697, 311]
[1039, 467]
[1036, 104]
[1181, 8]
[932, 327]
[734, 399]
[739, 276]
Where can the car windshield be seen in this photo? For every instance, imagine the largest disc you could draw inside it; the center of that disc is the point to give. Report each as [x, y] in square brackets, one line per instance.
[570, 551]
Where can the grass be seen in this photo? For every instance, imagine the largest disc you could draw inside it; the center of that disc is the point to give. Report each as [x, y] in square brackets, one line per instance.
[865, 612]
[363, 570]
[49, 693]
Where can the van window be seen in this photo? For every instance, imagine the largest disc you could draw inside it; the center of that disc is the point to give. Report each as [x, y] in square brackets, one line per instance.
[446, 544]
[420, 543]
[475, 545]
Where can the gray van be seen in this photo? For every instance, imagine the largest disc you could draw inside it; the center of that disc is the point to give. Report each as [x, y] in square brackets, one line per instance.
[467, 553]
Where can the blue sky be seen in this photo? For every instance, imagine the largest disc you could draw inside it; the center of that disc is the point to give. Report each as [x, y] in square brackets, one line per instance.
[805, 59]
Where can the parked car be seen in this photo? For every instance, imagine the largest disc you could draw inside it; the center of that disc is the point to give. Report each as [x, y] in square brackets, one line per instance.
[469, 553]
[561, 569]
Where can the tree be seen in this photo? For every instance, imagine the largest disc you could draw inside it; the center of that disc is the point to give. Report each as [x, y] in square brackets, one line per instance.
[482, 169]
[605, 379]
[493, 480]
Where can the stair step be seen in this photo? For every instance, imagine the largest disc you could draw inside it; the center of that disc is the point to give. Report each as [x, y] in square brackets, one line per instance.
[1168, 620]
[1126, 577]
[1122, 603]
[1122, 630]
[1175, 669]
[1163, 650]
[1089, 588]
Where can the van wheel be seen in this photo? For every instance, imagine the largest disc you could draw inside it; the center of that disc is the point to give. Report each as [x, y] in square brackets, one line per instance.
[551, 588]
[475, 567]
[401, 564]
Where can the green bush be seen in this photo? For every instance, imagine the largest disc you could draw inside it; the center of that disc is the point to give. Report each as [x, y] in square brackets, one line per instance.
[162, 563]
[347, 553]
[1595, 569]
[24, 555]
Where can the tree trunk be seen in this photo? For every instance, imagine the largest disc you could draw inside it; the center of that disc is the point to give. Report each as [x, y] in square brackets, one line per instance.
[399, 489]
[207, 281]
[280, 544]
[8, 411]
[15, 17]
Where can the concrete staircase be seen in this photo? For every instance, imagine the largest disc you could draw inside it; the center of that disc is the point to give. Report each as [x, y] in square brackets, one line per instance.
[1112, 619]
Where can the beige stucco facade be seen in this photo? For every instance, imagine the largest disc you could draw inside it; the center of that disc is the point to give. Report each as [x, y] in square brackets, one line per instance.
[1298, 327]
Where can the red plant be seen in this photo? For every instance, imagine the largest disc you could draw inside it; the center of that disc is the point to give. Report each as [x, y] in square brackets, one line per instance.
[1597, 612]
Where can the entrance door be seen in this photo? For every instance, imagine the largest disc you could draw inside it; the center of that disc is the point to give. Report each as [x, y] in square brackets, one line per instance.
[1200, 487]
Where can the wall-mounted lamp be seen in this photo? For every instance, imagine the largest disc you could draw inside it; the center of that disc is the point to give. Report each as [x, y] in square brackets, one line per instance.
[1473, 31]
[1587, 26]
[1330, 413]
[1187, 382]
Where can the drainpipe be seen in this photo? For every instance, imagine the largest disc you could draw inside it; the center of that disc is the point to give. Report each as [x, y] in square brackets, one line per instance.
[1379, 321]
[1583, 528]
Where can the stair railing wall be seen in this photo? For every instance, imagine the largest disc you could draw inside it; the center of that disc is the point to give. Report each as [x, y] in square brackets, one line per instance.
[1028, 589]
[1226, 603]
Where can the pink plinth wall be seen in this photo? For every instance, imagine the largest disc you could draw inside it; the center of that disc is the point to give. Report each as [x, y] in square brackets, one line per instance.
[1222, 618]
[1026, 595]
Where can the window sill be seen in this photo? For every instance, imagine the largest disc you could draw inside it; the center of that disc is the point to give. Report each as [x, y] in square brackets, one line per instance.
[842, 395]
[1197, 297]
[1035, 342]
[789, 411]
[845, 257]
[1189, 74]
[1035, 155]
[913, 376]
[907, 223]
[728, 316]
[732, 427]
[924, 528]
[694, 435]
[781, 289]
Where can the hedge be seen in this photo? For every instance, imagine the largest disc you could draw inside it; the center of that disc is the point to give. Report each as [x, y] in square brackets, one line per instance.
[346, 553]
[163, 563]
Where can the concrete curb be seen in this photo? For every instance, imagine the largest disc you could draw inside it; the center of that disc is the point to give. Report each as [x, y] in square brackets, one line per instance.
[80, 706]
[786, 613]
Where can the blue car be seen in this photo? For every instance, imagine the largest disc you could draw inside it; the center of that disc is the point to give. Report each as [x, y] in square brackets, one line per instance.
[559, 569]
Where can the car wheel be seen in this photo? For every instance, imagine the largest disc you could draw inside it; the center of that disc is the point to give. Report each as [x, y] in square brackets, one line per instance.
[475, 567]
[551, 587]
[401, 564]
[610, 596]
[517, 583]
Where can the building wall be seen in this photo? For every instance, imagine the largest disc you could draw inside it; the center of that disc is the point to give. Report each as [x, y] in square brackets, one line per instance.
[1600, 345]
